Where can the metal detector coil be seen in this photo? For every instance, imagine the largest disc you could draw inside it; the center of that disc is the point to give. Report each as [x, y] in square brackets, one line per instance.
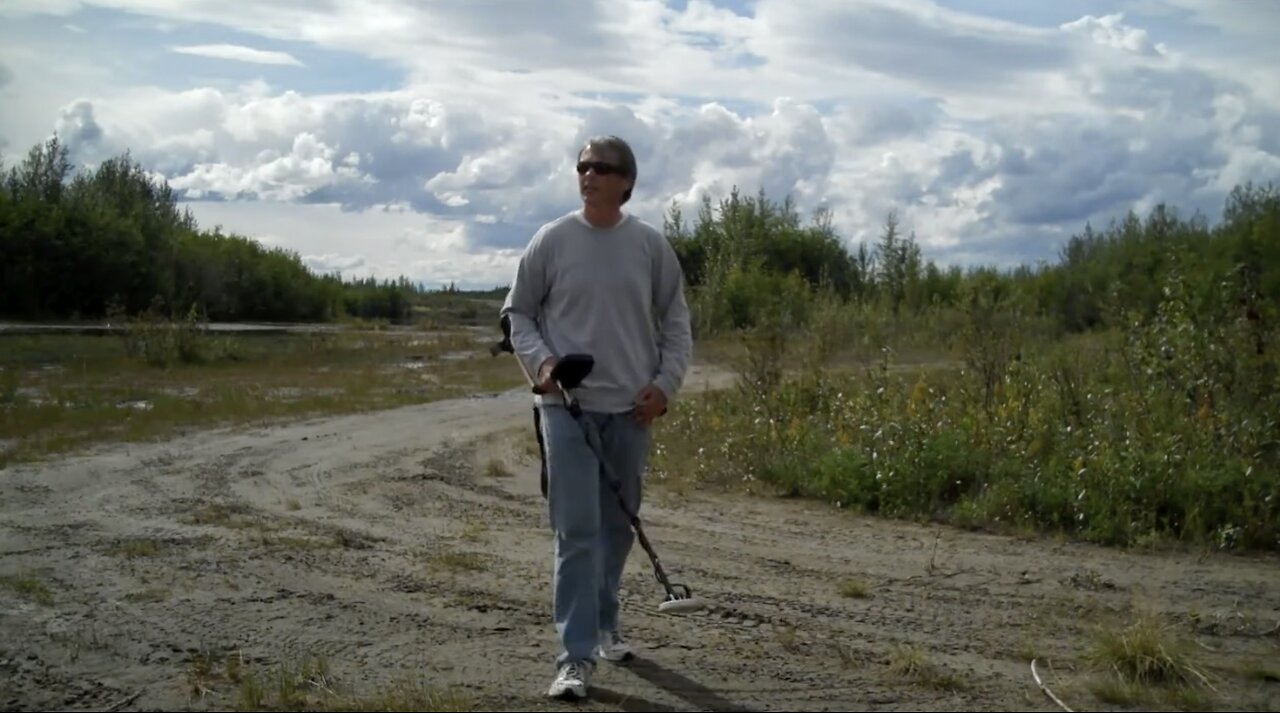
[568, 374]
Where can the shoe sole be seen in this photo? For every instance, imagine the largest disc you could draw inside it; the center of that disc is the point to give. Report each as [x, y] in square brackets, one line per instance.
[568, 694]
[616, 658]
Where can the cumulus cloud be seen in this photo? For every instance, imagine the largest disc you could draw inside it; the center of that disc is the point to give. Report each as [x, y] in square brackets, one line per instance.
[992, 139]
[330, 263]
[308, 166]
[239, 53]
[392, 241]
[79, 131]
[1111, 31]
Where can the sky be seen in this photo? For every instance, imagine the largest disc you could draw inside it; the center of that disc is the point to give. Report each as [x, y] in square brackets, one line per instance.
[431, 139]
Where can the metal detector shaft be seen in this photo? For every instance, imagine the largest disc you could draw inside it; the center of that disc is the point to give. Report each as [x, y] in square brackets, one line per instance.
[593, 442]
[592, 437]
[572, 369]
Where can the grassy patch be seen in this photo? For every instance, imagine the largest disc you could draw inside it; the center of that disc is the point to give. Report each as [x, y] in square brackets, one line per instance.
[910, 664]
[1145, 652]
[27, 586]
[495, 468]
[850, 657]
[473, 530]
[230, 516]
[1145, 662]
[61, 392]
[458, 561]
[1265, 671]
[789, 639]
[854, 589]
[299, 544]
[306, 682]
[277, 532]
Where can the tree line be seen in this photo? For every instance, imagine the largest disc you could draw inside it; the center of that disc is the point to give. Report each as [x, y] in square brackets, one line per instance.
[1127, 393]
[84, 244]
[751, 259]
[87, 244]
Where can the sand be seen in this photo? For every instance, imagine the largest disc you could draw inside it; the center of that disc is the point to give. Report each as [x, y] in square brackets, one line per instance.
[412, 543]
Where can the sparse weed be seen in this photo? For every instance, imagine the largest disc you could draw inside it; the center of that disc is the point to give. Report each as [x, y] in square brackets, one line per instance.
[203, 672]
[909, 663]
[849, 657]
[232, 516]
[134, 548]
[495, 468]
[1144, 662]
[308, 683]
[27, 586]
[854, 589]
[459, 561]
[1145, 653]
[789, 639]
[473, 531]
[1261, 671]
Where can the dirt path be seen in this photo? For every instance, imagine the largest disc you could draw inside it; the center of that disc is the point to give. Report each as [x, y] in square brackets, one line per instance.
[412, 543]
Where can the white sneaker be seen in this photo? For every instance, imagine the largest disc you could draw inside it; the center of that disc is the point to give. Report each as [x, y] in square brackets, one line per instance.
[613, 648]
[571, 681]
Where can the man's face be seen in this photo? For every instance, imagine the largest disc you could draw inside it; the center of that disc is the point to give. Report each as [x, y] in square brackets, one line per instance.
[601, 181]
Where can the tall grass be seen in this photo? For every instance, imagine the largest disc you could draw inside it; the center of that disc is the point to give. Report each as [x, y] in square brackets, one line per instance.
[1169, 429]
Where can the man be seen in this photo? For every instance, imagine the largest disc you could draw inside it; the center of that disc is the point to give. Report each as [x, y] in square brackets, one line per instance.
[602, 282]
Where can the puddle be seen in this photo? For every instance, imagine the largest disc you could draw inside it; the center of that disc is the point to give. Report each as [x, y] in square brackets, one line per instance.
[136, 404]
[294, 393]
[29, 396]
[418, 361]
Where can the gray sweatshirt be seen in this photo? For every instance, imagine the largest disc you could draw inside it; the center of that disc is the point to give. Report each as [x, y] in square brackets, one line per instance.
[615, 293]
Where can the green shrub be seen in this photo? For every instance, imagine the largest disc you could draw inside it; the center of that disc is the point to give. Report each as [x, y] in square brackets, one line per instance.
[1164, 431]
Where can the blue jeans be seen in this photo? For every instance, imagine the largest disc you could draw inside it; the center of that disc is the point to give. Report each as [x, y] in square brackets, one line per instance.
[593, 535]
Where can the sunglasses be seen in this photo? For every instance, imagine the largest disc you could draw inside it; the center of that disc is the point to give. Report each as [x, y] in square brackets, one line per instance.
[601, 168]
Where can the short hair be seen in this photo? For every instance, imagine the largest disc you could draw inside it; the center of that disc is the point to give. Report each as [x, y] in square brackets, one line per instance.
[621, 153]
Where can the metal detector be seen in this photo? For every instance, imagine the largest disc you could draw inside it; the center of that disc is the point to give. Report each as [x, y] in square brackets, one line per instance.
[568, 374]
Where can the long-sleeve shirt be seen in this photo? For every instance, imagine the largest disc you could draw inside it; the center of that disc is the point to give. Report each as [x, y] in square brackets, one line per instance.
[615, 293]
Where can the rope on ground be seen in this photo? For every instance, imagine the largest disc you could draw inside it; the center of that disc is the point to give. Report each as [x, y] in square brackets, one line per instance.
[1045, 688]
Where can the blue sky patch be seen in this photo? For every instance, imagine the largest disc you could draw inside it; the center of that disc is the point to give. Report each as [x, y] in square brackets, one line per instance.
[138, 49]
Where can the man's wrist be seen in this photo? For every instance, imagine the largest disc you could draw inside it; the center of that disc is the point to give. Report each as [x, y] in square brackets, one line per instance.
[545, 366]
[664, 387]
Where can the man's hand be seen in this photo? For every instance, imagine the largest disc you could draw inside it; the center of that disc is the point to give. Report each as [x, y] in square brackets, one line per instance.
[545, 383]
[650, 403]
